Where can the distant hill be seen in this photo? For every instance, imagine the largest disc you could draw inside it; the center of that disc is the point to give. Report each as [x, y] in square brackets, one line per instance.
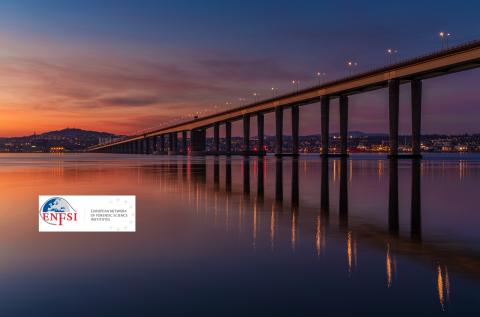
[71, 140]
[76, 133]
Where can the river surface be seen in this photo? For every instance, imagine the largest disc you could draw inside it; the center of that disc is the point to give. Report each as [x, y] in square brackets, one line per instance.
[362, 236]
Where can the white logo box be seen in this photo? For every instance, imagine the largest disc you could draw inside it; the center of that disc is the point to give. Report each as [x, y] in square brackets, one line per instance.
[86, 213]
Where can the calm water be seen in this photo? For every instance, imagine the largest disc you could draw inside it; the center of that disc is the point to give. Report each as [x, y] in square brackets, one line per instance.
[363, 236]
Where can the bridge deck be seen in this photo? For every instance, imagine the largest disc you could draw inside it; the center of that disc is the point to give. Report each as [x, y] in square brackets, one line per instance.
[444, 62]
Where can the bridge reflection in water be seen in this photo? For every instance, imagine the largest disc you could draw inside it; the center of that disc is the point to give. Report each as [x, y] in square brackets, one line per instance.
[243, 199]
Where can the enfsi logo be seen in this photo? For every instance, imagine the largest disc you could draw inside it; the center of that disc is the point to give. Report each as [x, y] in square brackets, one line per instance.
[57, 211]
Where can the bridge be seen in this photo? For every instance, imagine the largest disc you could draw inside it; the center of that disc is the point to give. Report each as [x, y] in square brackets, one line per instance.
[412, 71]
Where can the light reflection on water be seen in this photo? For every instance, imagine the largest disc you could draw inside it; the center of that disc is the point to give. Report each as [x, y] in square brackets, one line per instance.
[266, 236]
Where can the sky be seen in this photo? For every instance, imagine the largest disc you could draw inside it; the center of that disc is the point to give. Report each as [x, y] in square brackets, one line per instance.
[124, 66]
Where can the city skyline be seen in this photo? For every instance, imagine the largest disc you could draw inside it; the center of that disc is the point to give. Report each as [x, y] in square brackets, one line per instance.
[121, 69]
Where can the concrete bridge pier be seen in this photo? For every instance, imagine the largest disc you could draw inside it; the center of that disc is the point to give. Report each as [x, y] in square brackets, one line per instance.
[325, 112]
[147, 149]
[228, 137]
[343, 125]
[416, 86]
[184, 143]
[393, 108]
[216, 138]
[142, 147]
[161, 145]
[154, 144]
[197, 142]
[172, 143]
[246, 134]
[295, 129]
[261, 133]
[278, 131]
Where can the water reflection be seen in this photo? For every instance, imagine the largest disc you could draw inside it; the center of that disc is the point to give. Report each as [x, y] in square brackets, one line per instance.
[279, 180]
[416, 220]
[443, 286]
[341, 176]
[332, 221]
[393, 221]
[343, 204]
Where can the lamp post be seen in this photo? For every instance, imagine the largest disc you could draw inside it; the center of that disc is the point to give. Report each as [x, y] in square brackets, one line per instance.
[297, 83]
[391, 52]
[273, 92]
[351, 65]
[255, 96]
[320, 75]
[444, 36]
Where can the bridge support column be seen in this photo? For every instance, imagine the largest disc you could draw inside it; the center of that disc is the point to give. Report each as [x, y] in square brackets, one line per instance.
[246, 134]
[216, 138]
[148, 150]
[325, 112]
[344, 125]
[416, 116]
[132, 147]
[154, 144]
[172, 142]
[184, 143]
[228, 137]
[295, 129]
[261, 133]
[142, 146]
[162, 144]
[175, 142]
[278, 131]
[197, 142]
[393, 108]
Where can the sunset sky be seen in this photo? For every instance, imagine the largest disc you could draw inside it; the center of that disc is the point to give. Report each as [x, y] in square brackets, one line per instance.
[121, 66]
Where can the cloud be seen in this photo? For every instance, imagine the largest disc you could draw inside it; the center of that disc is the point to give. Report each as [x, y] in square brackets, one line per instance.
[246, 70]
[130, 101]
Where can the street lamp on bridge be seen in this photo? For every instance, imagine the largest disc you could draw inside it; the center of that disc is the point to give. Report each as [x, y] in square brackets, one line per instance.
[444, 38]
[351, 65]
[320, 75]
[273, 92]
[297, 83]
[391, 52]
